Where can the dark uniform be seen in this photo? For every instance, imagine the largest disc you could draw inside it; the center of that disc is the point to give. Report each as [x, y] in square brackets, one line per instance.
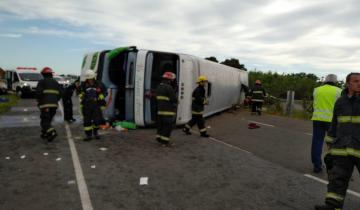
[197, 107]
[166, 105]
[344, 153]
[67, 102]
[92, 101]
[257, 98]
[48, 93]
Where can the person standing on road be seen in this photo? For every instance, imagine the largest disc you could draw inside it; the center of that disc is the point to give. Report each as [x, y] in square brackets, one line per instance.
[199, 100]
[48, 93]
[325, 97]
[166, 106]
[343, 141]
[257, 95]
[67, 101]
[92, 96]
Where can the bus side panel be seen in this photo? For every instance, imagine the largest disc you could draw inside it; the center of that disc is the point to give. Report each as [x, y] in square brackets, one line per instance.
[225, 86]
[187, 83]
[139, 88]
[245, 81]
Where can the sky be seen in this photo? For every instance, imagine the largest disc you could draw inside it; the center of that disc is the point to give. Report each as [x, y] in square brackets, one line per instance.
[311, 36]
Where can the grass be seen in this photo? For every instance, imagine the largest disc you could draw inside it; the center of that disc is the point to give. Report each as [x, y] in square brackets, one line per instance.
[4, 107]
[297, 114]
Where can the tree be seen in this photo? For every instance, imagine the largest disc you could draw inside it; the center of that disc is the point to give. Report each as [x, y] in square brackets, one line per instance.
[212, 58]
[233, 62]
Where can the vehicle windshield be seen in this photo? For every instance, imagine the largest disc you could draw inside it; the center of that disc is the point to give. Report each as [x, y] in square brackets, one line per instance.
[30, 76]
[59, 79]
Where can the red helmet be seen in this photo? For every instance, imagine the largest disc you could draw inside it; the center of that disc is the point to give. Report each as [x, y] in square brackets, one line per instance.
[169, 75]
[46, 70]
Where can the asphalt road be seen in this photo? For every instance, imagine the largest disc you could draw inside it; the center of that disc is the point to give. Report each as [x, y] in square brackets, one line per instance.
[236, 169]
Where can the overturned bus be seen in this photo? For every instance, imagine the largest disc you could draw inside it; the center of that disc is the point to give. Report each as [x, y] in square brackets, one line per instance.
[131, 76]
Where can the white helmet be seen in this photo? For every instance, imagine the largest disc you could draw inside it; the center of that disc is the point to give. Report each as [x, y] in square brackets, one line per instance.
[89, 74]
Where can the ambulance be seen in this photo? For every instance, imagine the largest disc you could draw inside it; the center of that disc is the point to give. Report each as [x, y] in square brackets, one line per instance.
[23, 80]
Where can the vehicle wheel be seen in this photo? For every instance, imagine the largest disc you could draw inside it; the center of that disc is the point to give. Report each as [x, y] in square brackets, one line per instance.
[20, 94]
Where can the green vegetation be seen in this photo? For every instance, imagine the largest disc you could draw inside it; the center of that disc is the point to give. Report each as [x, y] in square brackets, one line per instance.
[5, 106]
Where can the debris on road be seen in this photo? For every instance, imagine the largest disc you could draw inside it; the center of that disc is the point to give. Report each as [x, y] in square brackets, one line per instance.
[144, 180]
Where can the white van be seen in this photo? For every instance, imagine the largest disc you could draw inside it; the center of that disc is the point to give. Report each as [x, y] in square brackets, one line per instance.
[23, 80]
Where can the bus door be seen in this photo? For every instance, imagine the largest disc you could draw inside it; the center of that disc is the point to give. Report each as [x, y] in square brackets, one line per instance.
[157, 63]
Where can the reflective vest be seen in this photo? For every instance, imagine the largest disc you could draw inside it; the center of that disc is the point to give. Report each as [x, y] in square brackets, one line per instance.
[324, 101]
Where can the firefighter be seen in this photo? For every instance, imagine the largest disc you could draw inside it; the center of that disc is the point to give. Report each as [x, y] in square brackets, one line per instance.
[257, 98]
[343, 141]
[67, 101]
[198, 101]
[166, 105]
[48, 93]
[325, 97]
[92, 101]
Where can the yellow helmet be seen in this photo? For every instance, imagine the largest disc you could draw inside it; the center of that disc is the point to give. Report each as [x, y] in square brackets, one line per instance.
[201, 78]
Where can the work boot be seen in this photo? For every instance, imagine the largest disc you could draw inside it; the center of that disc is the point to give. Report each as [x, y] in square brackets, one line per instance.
[317, 169]
[326, 207]
[205, 135]
[186, 131]
[87, 138]
[50, 137]
[96, 134]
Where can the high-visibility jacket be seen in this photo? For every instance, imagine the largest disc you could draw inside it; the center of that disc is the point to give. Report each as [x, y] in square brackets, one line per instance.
[198, 100]
[258, 93]
[166, 100]
[324, 100]
[48, 93]
[344, 133]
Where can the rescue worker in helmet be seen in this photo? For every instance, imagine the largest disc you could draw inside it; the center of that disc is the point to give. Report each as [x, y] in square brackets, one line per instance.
[166, 108]
[48, 93]
[92, 98]
[198, 101]
[257, 97]
[67, 100]
[343, 142]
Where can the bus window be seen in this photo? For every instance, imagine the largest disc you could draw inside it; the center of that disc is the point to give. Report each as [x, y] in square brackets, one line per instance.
[16, 78]
[208, 89]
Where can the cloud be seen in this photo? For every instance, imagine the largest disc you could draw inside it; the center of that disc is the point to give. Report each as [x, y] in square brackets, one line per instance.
[317, 34]
[11, 35]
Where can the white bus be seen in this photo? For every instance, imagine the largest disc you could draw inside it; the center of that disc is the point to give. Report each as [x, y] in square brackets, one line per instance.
[131, 77]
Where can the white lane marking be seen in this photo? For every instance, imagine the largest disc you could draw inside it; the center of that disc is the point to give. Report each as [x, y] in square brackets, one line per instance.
[83, 189]
[229, 145]
[261, 123]
[71, 182]
[144, 180]
[356, 194]
[224, 143]
[309, 134]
